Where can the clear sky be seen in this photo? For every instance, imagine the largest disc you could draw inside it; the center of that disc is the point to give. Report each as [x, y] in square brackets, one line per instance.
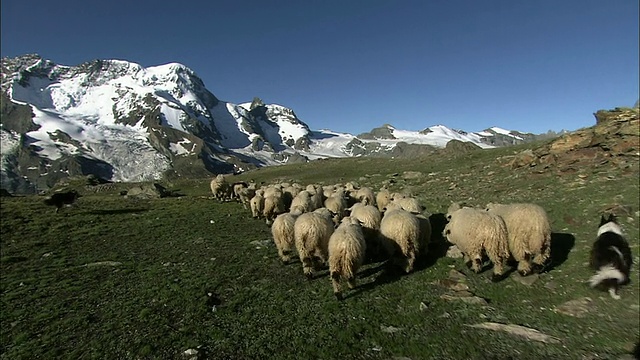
[351, 65]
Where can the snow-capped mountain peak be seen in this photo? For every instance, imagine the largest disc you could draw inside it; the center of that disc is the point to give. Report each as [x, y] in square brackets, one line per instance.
[124, 122]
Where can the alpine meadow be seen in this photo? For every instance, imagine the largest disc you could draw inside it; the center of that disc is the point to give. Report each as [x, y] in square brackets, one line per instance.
[163, 270]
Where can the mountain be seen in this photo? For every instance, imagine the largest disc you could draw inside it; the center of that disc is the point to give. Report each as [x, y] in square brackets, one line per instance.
[122, 122]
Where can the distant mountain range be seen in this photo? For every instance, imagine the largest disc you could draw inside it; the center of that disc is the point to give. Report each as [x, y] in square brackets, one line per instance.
[122, 122]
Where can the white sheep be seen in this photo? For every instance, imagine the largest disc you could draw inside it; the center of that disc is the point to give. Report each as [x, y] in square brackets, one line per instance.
[312, 231]
[317, 195]
[365, 195]
[257, 205]
[245, 194]
[529, 234]
[347, 249]
[302, 202]
[476, 232]
[337, 205]
[407, 203]
[273, 206]
[382, 198]
[369, 217]
[400, 235]
[220, 188]
[282, 230]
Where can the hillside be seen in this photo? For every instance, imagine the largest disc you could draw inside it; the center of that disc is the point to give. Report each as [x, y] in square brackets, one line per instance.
[188, 277]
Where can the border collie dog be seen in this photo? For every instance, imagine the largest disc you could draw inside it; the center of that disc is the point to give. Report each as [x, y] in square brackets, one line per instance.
[610, 257]
[61, 199]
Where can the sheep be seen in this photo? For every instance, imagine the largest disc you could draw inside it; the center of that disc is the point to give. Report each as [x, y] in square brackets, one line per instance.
[273, 190]
[289, 193]
[337, 205]
[369, 217]
[400, 235]
[220, 188]
[245, 194]
[347, 249]
[317, 196]
[406, 203]
[273, 206]
[365, 195]
[237, 187]
[302, 202]
[529, 234]
[283, 236]
[453, 207]
[476, 232]
[382, 198]
[257, 205]
[312, 231]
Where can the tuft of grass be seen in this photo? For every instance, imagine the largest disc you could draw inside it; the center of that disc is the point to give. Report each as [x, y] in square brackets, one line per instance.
[122, 278]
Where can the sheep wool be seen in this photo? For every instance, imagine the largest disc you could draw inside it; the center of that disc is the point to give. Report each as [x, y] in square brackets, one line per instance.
[529, 232]
[347, 249]
[400, 235]
[312, 231]
[476, 232]
[283, 237]
[273, 206]
[257, 205]
[382, 198]
[220, 188]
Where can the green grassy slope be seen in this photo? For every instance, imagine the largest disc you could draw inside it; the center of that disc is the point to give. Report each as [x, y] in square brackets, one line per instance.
[119, 278]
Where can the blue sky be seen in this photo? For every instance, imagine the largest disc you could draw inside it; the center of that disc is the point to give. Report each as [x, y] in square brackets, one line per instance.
[351, 65]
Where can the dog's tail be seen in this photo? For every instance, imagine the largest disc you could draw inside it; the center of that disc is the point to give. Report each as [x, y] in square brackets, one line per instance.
[605, 273]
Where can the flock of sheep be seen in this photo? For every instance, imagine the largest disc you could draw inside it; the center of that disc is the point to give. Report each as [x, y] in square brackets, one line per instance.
[342, 225]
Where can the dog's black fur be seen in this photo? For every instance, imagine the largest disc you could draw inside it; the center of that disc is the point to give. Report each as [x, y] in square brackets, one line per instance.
[610, 257]
[59, 199]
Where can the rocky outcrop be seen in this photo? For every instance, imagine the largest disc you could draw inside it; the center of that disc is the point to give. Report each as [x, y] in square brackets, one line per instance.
[460, 147]
[383, 132]
[615, 137]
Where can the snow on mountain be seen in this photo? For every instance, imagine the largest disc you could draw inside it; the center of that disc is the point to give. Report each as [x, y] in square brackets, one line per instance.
[138, 122]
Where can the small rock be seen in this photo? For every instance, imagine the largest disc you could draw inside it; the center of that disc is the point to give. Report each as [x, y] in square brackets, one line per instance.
[550, 285]
[389, 329]
[191, 352]
[104, 263]
[423, 306]
[445, 315]
[576, 308]
[525, 280]
[451, 284]
[408, 175]
[475, 300]
[456, 275]
[528, 333]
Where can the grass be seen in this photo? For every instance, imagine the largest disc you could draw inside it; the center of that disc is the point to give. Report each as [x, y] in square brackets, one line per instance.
[120, 278]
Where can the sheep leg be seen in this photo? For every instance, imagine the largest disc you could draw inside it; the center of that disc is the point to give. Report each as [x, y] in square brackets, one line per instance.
[351, 282]
[335, 281]
[409, 261]
[498, 270]
[307, 267]
[542, 258]
[476, 264]
[524, 265]
[285, 255]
